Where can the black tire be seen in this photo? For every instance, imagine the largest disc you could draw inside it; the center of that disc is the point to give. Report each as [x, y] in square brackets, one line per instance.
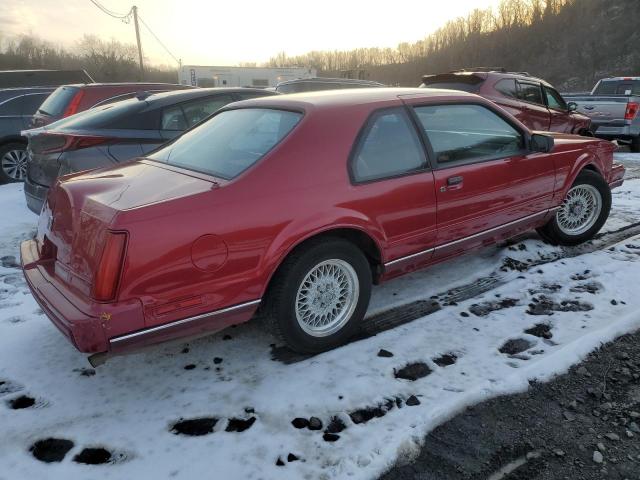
[635, 145]
[280, 303]
[553, 233]
[585, 132]
[7, 149]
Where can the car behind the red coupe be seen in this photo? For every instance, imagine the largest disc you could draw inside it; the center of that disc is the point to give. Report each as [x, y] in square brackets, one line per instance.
[295, 205]
[117, 132]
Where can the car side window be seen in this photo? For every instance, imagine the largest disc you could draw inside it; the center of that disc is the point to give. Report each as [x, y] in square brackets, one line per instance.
[389, 147]
[32, 103]
[173, 119]
[507, 87]
[530, 92]
[466, 133]
[555, 100]
[198, 110]
[12, 106]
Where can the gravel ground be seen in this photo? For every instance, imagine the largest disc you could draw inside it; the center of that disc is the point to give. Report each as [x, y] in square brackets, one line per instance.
[582, 425]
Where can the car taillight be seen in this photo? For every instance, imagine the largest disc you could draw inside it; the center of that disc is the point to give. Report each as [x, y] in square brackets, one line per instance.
[57, 142]
[72, 108]
[632, 110]
[107, 276]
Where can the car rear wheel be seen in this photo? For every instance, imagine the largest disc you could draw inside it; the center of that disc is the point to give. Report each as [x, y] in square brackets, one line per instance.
[583, 212]
[319, 295]
[13, 162]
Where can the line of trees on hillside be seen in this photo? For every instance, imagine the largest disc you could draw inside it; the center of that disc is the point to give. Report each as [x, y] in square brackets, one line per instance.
[104, 60]
[571, 43]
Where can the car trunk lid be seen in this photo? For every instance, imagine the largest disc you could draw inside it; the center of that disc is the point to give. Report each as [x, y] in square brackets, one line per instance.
[81, 210]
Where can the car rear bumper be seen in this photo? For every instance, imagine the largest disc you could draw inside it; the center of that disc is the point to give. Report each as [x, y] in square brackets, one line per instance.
[625, 132]
[114, 328]
[35, 195]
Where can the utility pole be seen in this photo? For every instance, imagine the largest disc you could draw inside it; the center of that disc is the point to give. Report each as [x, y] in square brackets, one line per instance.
[135, 21]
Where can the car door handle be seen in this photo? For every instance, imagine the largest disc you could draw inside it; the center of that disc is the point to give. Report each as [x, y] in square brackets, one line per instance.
[451, 181]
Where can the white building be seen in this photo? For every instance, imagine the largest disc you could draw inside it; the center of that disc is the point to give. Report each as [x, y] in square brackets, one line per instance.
[207, 76]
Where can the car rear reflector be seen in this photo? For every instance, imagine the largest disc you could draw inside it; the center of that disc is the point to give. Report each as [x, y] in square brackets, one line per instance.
[72, 108]
[59, 142]
[632, 110]
[107, 276]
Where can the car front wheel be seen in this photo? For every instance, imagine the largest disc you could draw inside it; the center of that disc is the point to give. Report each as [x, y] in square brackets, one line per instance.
[583, 212]
[319, 295]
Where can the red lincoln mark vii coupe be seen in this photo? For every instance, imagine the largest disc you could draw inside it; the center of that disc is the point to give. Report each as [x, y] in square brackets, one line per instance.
[295, 205]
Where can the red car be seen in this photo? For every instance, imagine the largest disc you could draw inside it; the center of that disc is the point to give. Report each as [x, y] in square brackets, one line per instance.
[294, 205]
[71, 99]
[531, 100]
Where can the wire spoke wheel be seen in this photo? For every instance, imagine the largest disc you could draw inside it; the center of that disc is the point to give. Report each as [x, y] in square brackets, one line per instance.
[580, 210]
[327, 298]
[14, 164]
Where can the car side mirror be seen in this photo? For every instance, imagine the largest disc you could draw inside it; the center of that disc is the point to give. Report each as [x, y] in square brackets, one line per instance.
[572, 106]
[541, 143]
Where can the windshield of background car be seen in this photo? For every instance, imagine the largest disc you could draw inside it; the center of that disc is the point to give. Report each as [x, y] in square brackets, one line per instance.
[107, 116]
[230, 142]
[58, 101]
[618, 87]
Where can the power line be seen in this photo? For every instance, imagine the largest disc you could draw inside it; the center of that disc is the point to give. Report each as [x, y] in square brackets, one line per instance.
[158, 40]
[111, 13]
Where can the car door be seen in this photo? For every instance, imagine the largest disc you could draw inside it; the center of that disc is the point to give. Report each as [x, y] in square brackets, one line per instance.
[393, 185]
[178, 118]
[535, 113]
[561, 120]
[488, 184]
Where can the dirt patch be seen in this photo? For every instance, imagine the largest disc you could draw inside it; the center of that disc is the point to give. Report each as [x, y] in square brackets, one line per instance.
[51, 450]
[485, 308]
[446, 359]
[239, 424]
[513, 264]
[195, 427]
[413, 371]
[9, 261]
[7, 387]
[23, 401]
[336, 425]
[385, 353]
[590, 287]
[93, 456]
[515, 346]
[541, 330]
[547, 306]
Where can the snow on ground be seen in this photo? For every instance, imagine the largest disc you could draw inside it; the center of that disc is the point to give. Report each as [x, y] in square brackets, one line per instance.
[130, 405]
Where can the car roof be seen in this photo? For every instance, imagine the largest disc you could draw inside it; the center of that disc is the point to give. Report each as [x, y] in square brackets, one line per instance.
[327, 99]
[484, 74]
[355, 81]
[175, 96]
[126, 84]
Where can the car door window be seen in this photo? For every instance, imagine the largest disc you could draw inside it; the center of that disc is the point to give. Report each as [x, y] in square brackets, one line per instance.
[197, 111]
[507, 87]
[173, 119]
[555, 100]
[530, 92]
[389, 147]
[468, 133]
[32, 102]
[12, 107]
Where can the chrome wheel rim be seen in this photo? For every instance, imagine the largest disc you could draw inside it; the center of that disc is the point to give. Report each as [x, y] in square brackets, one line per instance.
[14, 164]
[327, 297]
[580, 210]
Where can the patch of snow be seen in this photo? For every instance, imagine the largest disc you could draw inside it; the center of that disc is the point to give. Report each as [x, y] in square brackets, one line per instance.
[130, 405]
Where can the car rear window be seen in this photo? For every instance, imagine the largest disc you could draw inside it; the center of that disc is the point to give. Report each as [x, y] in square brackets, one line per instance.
[115, 115]
[58, 101]
[230, 142]
[618, 87]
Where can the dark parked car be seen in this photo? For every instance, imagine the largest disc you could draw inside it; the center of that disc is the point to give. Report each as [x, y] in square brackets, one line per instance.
[531, 100]
[71, 99]
[316, 84]
[21, 93]
[117, 132]
[16, 111]
[295, 204]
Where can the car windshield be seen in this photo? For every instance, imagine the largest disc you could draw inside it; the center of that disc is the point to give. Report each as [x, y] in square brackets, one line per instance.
[230, 142]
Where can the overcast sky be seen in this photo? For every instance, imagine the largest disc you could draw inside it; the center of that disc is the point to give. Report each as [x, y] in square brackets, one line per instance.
[226, 33]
